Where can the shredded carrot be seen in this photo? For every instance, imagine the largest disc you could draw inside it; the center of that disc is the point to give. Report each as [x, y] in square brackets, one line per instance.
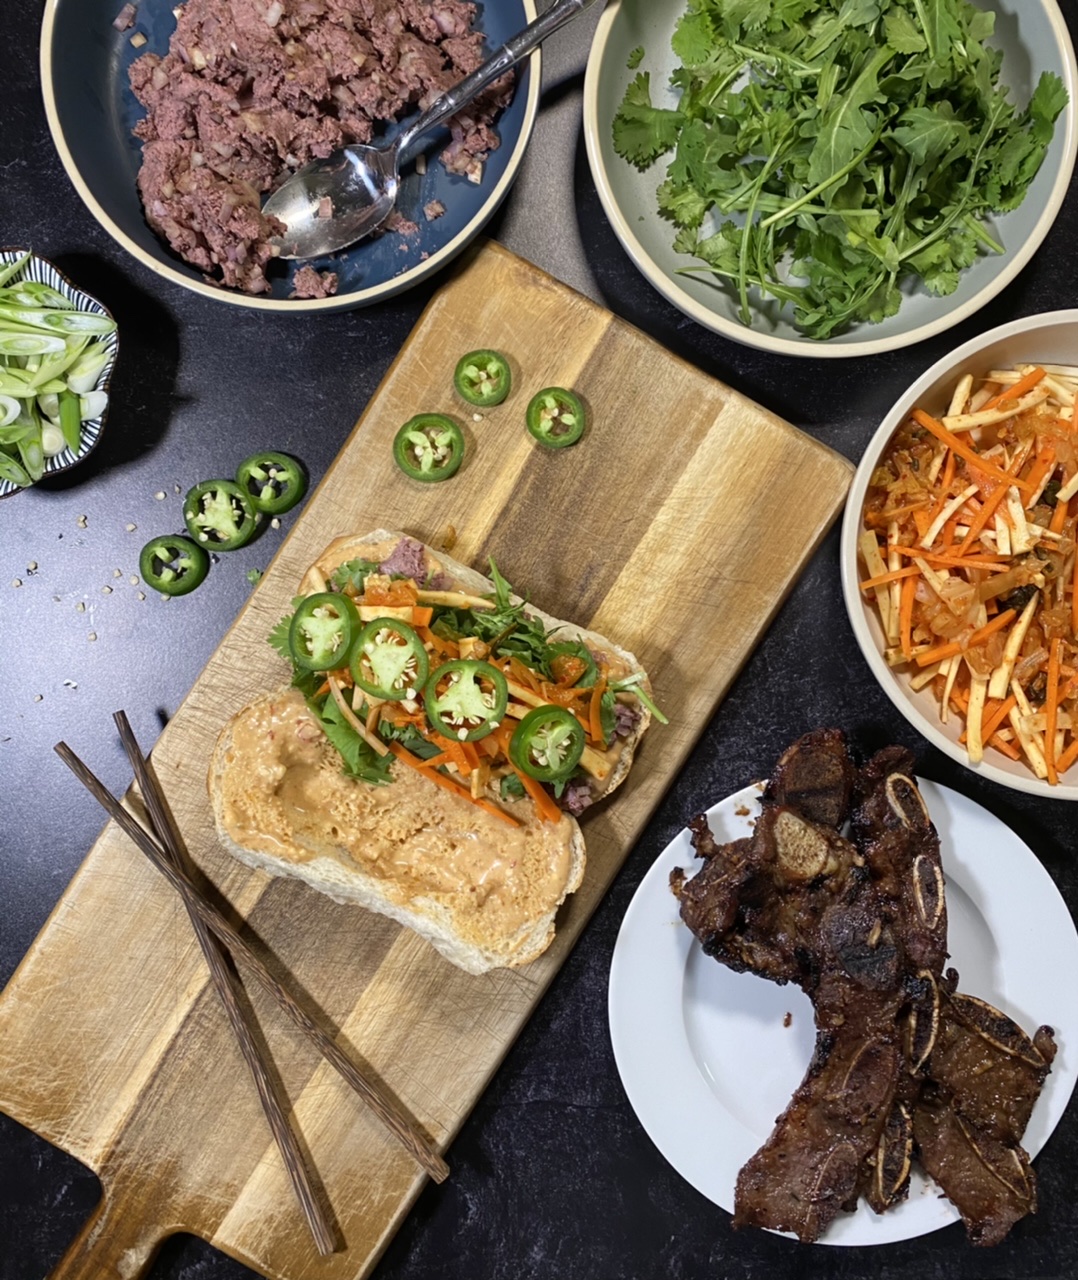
[1016, 390]
[441, 758]
[1068, 757]
[1043, 464]
[447, 784]
[1059, 517]
[544, 802]
[421, 615]
[959, 561]
[1007, 748]
[447, 648]
[949, 650]
[905, 616]
[964, 451]
[1051, 710]
[893, 576]
[454, 749]
[992, 723]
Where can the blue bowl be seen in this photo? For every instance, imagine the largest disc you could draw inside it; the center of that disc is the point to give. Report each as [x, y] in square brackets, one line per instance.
[92, 112]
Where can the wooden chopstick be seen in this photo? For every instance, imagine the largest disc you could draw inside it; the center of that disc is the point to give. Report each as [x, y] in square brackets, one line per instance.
[381, 1103]
[164, 827]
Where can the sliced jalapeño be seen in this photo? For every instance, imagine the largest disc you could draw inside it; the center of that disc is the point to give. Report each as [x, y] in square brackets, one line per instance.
[466, 699]
[547, 744]
[482, 378]
[323, 630]
[429, 447]
[389, 661]
[555, 417]
[173, 564]
[219, 515]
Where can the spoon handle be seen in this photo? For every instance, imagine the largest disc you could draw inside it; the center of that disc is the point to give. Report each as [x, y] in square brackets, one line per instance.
[512, 52]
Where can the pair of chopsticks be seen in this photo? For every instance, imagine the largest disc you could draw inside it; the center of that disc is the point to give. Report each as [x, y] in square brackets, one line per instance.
[164, 847]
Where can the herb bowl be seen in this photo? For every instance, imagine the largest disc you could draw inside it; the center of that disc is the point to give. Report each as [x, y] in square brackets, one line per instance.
[41, 271]
[1033, 37]
[1049, 338]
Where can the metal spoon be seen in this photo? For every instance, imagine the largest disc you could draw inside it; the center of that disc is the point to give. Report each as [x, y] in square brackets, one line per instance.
[361, 182]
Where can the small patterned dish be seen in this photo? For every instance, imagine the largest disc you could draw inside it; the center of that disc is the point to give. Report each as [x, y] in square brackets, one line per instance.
[39, 270]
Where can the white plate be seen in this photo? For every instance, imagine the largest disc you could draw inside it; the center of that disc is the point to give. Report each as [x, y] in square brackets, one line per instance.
[705, 1055]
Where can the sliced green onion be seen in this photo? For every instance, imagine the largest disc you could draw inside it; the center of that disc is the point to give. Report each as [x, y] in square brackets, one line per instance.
[39, 294]
[31, 344]
[93, 404]
[13, 268]
[71, 420]
[12, 470]
[79, 322]
[32, 453]
[19, 430]
[82, 376]
[52, 439]
[51, 361]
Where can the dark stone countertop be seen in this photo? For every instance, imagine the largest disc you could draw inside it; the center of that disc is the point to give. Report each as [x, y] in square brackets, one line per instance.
[553, 1175]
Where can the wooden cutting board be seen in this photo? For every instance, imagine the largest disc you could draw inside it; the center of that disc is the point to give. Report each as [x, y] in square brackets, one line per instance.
[676, 527]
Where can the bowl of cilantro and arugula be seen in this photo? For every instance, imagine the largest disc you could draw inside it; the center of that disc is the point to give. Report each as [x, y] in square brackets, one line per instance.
[831, 177]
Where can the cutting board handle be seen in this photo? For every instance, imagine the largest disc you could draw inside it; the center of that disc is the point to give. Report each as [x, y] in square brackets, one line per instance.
[110, 1246]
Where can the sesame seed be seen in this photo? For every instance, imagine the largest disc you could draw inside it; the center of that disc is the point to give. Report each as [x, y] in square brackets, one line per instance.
[16, 582]
[160, 495]
[130, 527]
[141, 595]
[81, 607]
[106, 591]
[92, 636]
[32, 567]
[117, 573]
[37, 697]
[133, 579]
[82, 521]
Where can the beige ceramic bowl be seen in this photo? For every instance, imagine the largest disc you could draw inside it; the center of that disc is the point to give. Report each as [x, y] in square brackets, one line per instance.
[1033, 37]
[1051, 338]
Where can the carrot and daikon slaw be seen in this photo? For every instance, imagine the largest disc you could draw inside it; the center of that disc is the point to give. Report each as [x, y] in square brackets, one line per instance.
[968, 552]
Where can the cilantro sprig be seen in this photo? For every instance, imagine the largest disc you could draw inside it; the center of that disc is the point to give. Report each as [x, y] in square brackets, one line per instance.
[834, 153]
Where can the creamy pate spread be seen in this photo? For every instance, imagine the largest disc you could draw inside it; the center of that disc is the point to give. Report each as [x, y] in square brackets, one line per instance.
[284, 795]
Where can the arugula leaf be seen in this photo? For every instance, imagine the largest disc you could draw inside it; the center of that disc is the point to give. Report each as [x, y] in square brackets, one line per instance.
[837, 154]
[847, 128]
[937, 19]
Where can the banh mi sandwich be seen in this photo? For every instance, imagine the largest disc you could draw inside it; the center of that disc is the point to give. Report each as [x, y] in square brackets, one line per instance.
[435, 747]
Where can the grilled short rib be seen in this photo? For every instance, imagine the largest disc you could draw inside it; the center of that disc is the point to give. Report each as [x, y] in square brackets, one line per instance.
[981, 1083]
[900, 1058]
